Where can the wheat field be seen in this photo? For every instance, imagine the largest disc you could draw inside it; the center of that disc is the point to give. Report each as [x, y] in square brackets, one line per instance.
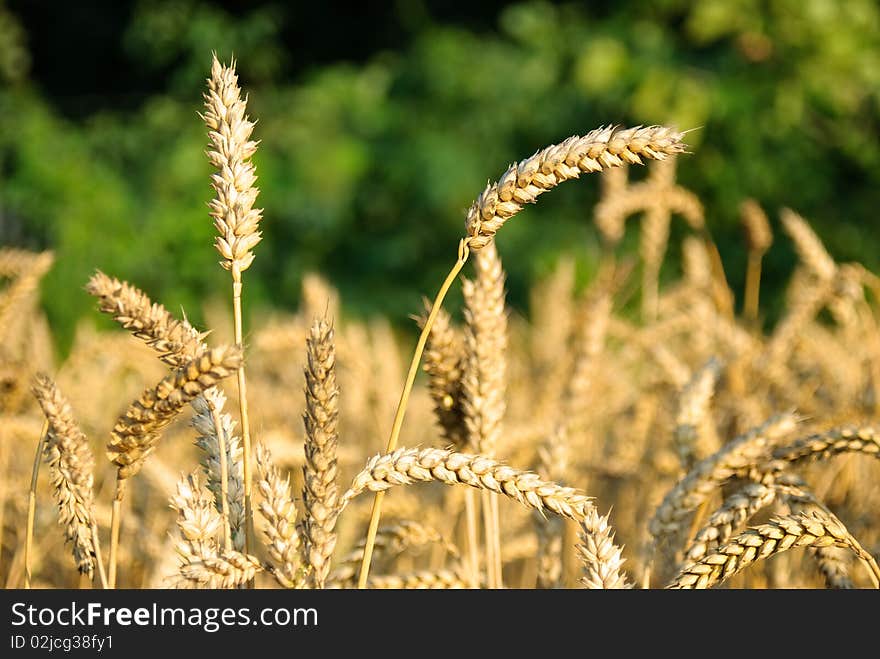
[630, 433]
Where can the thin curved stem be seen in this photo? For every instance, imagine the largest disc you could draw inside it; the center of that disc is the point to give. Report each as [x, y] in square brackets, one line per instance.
[463, 253]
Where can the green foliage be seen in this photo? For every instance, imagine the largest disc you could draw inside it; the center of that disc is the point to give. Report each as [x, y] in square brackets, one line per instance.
[367, 169]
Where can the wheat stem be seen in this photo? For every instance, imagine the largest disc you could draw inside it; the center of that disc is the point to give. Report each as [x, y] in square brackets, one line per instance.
[32, 504]
[463, 252]
[115, 520]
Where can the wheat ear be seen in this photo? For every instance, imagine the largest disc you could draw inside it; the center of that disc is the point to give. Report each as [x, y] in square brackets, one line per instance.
[821, 446]
[730, 517]
[235, 218]
[137, 431]
[708, 474]
[320, 474]
[810, 249]
[390, 541]
[690, 435]
[441, 580]
[222, 462]
[405, 466]
[813, 529]
[523, 182]
[203, 565]
[444, 364]
[279, 512]
[71, 472]
[176, 341]
[602, 560]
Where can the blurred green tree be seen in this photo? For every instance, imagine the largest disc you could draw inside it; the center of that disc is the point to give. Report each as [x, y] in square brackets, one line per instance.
[367, 168]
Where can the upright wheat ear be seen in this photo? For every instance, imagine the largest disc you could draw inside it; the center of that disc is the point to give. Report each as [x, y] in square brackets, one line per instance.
[71, 467]
[521, 184]
[320, 474]
[235, 218]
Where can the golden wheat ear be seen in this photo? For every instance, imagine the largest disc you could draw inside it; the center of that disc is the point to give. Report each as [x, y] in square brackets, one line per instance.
[320, 473]
[71, 472]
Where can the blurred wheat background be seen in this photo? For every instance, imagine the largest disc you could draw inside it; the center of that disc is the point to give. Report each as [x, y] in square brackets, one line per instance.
[691, 345]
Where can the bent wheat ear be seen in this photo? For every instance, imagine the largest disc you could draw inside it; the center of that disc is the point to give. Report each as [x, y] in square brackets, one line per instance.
[849, 439]
[813, 529]
[707, 475]
[71, 467]
[176, 341]
[405, 466]
[523, 182]
[136, 433]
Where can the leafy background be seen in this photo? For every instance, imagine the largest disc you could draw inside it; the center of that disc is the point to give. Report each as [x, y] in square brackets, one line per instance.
[379, 125]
